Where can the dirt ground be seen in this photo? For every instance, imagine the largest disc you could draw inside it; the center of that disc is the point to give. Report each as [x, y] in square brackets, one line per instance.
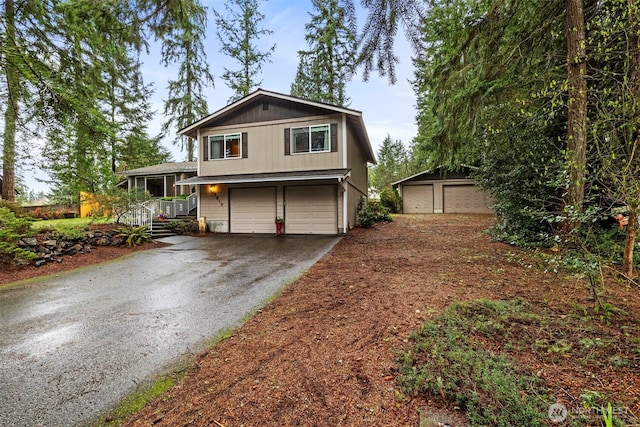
[323, 352]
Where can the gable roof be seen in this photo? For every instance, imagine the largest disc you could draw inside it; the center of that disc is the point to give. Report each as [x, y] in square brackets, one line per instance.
[435, 174]
[162, 168]
[354, 117]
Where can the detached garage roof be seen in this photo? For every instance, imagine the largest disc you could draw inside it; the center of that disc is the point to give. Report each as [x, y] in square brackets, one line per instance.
[430, 175]
[337, 174]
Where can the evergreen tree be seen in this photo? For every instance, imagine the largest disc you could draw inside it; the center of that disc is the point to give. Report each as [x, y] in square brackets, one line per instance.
[186, 101]
[58, 61]
[392, 164]
[378, 34]
[238, 32]
[329, 62]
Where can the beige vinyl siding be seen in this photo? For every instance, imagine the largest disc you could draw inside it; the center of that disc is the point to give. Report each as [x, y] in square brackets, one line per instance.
[357, 186]
[265, 146]
[356, 161]
[311, 210]
[215, 207]
[417, 199]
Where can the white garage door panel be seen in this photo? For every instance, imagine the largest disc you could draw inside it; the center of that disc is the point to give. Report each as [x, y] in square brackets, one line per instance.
[311, 210]
[253, 210]
[465, 199]
[417, 199]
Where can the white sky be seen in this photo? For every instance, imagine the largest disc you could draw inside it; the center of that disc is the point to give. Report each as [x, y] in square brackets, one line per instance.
[386, 109]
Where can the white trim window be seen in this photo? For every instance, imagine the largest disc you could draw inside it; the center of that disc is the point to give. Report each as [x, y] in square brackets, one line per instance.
[310, 139]
[225, 146]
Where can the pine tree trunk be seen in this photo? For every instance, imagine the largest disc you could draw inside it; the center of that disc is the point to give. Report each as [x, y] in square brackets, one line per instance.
[11, 112]
[577, 104]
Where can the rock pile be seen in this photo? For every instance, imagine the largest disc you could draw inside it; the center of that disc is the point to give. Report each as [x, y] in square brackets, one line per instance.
[50, 249]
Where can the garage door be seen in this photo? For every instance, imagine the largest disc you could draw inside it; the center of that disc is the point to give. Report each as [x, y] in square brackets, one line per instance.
[417, 199]
[253, 210]
[311, 210]
[465, 199]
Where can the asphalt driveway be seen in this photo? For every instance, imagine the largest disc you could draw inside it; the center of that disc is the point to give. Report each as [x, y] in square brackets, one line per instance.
[72, 345]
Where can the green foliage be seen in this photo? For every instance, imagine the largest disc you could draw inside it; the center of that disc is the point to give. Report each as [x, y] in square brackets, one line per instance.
[444, 362]
[12, 206]
[390, 199]
[237, 32]
[379, 32]
[372, 212]
[118, 201]
[183, 227]
[12, 229]
[135, 402]
[135, 236]
[74, 67]
[521, 170]
[448, 359]
[186, 102]
[329, 63]
[393, 164]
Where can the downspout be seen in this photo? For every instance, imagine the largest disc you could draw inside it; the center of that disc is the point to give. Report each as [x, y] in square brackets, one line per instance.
[198, 186]
[345, 165]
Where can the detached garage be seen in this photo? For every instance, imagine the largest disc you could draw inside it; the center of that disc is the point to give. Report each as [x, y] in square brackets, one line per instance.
[433, 192]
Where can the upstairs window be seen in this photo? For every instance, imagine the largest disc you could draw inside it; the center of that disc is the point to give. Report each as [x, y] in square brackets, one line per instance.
[310, 139]
[225, 146]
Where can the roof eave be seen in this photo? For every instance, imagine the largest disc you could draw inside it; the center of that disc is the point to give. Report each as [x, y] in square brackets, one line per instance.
[210, 180]
[192, 128]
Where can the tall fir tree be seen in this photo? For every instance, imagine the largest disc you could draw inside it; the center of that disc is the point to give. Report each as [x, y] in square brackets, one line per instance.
[238, 31]
[58, 59]
[186, 100]
[329, 62]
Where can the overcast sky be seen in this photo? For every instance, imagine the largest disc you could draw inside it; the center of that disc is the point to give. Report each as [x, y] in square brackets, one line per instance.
[386, 109]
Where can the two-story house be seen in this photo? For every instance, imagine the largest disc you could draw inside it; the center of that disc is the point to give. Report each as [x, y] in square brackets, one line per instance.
[270, 155]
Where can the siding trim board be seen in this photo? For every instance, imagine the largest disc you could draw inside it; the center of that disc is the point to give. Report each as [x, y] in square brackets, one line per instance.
[337, 174]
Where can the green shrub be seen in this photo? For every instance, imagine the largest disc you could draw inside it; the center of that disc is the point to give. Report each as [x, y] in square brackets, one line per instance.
[70, 232]
[183, 227]
[135, 236]
[390, 199]
[372, 212]
[12, 229]
[445, 362]
[12, 206]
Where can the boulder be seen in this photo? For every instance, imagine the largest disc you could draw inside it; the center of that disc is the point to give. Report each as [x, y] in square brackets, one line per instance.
[29, 241]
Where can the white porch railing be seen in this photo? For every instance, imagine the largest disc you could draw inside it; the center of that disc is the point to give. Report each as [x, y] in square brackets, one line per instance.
[145, 213]
[138, 215]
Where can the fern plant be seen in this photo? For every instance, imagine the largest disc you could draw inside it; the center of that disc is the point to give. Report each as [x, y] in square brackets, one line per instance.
[135, 236]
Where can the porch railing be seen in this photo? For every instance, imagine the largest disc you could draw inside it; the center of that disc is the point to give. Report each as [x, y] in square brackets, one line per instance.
[138, 215]
[144, 214]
